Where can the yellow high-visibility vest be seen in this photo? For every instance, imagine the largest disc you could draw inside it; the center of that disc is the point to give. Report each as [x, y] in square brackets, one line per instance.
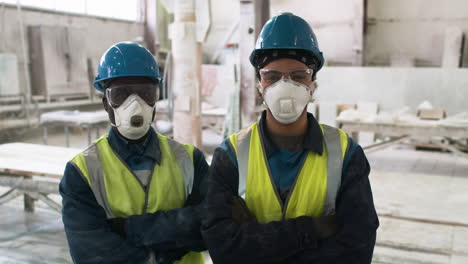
[119, 192]
[314, 191]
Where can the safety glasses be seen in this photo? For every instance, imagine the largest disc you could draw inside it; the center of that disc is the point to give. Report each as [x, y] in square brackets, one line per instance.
[301, 75]
[118, 94]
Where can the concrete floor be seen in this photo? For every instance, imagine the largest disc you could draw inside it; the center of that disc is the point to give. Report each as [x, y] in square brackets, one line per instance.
[421, 200]
[31, 237]
[419, 195]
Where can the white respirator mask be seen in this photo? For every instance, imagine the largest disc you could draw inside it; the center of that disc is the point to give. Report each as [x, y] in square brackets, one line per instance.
[286, 100]
[133, 118]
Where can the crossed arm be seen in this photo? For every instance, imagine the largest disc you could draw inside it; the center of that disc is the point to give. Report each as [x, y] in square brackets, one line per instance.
[294, 240]
[94, 239]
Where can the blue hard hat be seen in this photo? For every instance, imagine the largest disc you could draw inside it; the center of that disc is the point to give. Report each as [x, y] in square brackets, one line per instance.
[126, 59]
[287, 32]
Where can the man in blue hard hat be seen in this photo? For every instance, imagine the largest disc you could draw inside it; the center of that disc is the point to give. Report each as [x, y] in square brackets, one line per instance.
[288, 189]
[133, 196]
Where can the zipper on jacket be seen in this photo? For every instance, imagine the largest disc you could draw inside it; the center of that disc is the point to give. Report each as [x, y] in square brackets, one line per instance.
[145, 208]
[275, 189]
[285, 208]
[284, 205]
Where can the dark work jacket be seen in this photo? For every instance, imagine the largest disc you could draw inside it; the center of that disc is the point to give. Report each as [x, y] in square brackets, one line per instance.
[89, 234]
[292, 240]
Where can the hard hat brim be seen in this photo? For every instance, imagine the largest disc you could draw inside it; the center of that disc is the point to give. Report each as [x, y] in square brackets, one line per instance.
[257, 54]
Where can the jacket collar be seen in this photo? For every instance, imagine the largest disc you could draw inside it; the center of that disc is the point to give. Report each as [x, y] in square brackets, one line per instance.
[313, 139]
[149, 146]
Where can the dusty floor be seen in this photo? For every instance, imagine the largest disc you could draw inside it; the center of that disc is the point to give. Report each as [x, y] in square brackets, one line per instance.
[414, 191]
[421, 198]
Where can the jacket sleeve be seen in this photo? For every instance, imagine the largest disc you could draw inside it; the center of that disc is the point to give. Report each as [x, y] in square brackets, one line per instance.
[178, 228]
[231, 241]
[89, 235]
[357, 219]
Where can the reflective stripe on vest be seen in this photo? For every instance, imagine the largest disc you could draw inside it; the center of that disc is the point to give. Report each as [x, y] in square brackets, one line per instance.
[309, 196]
[119, 192]
[335, 155]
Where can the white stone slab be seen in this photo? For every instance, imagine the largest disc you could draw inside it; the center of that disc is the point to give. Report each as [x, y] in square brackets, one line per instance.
[36, 159]
[75, 117]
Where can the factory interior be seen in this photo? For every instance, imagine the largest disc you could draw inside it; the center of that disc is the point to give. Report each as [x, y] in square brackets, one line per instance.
[395, 79]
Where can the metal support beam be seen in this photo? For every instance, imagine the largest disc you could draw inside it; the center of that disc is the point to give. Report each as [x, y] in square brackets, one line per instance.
[384, 144]
[452, 149]
[253, 15]
[13, 193]
[32, 191]
[28, 199]
[9, 195]
[28, 185]
[51, 203]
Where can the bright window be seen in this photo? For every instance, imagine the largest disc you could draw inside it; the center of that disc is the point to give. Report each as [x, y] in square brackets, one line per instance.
[121, 9]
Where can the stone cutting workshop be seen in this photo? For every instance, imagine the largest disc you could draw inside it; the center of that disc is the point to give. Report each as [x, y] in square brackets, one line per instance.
[234, 131]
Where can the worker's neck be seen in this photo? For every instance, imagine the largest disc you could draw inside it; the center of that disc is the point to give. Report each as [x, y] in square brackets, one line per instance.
[297, 128]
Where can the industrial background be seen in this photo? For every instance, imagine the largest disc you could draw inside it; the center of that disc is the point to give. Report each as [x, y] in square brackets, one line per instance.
[396, 79]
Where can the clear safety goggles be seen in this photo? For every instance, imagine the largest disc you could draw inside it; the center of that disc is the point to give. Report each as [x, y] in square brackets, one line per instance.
[118, 94]
[301, 75]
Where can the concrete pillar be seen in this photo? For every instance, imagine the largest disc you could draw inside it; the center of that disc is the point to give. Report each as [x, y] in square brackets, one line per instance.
[150, 26]
[187, 74]
[253, 15]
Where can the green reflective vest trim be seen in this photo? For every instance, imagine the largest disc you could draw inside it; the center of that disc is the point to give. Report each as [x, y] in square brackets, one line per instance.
[315, 189]
[119, 192]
